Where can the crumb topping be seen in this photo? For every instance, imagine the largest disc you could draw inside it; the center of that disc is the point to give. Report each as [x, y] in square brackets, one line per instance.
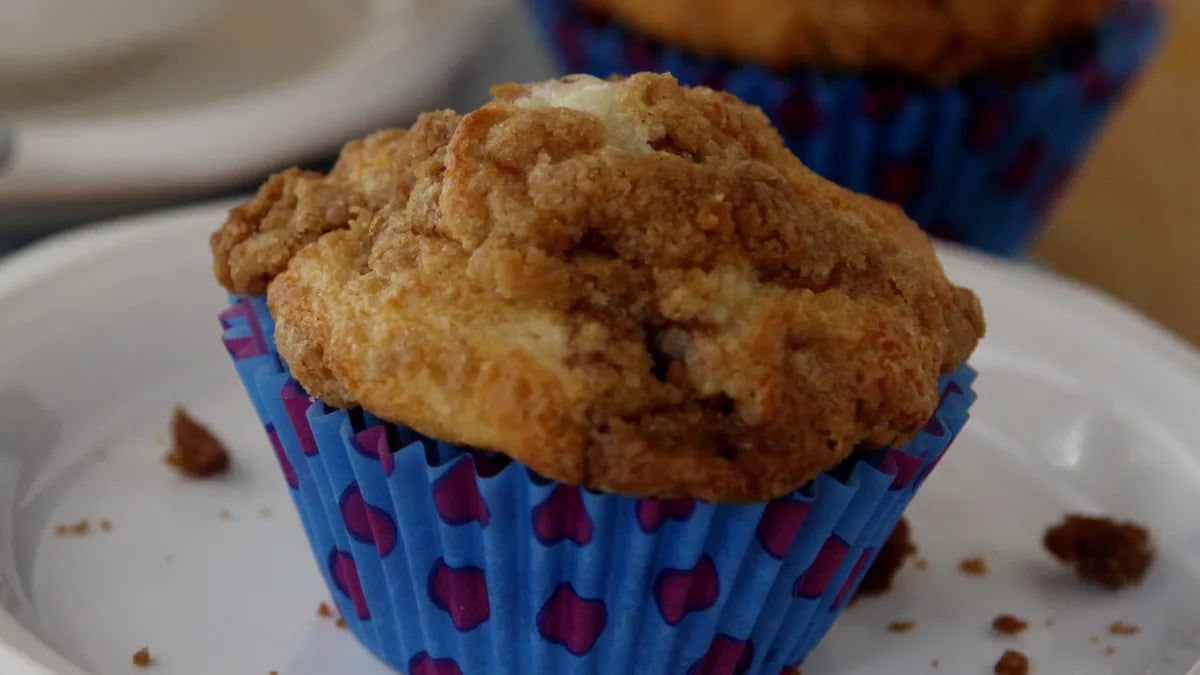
[628, 285]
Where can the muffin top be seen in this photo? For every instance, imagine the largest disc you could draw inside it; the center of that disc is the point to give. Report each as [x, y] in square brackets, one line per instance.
[931, 40]
[628, 285]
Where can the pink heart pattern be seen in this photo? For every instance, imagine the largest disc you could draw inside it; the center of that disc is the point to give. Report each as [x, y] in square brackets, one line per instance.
[779, 525]
[289, 472]
[296, 403]
[461, 592]
[457, 498]
[860, 566]
[366, 523]
[345, 578]
[680, 592]
[424, 664]
[814, 581]
[725, 656]
[373, 443]
[654, 513]
[562, 517]
[903, 466]
[572, 621]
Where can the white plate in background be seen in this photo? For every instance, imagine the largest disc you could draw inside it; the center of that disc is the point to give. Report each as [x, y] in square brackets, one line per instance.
[1082, 406]
[270, 83]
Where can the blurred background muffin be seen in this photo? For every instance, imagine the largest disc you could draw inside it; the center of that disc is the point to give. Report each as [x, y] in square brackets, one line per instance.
[971, 114]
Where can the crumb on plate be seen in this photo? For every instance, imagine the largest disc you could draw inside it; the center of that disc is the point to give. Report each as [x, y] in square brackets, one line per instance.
[77, 529]
[975, 566]
[141, 658]
[1101, 550]
[1122, 628]
[900, 627]
[1012, 663]
[323, 611]
[340, 623]
[106, 525]
[1007, 624]
[196, 452]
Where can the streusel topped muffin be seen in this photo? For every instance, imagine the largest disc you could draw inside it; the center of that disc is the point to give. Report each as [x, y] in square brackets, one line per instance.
[628, 285]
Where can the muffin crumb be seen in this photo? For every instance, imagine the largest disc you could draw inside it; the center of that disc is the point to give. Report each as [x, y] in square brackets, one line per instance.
[1012, 662]
[935, 664]
[975, 566]
[1007, 624]
[340, 623]
[323, 611]
[901, 627]
[1101, 550]
[882, 573]
[106, 525]
[922, 563]
[196, 451]
[1122, 628]
[141, 658]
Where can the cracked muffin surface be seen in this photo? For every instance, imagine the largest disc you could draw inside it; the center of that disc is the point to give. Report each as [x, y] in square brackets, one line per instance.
[930, 40]
[628, 285]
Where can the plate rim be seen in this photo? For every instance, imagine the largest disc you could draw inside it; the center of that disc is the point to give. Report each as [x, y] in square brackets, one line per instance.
[34, 174]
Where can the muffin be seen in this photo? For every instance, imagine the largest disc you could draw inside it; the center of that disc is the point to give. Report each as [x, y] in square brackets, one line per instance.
[970, 114]
[596, 378]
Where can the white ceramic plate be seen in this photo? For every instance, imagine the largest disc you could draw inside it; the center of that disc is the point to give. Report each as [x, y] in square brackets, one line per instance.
[270, 83]
[1082, 406]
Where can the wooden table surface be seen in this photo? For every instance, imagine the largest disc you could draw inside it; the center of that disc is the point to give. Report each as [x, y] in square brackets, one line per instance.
[1130, 223]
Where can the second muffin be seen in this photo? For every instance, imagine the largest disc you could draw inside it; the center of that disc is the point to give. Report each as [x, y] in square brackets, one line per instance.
[971, 114]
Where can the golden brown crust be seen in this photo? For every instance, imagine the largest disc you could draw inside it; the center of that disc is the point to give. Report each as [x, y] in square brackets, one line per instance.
[652, 298]
[296, 207]
[932, 40]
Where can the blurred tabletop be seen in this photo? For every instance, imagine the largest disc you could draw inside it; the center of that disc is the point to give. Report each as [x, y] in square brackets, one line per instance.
[1130, 223]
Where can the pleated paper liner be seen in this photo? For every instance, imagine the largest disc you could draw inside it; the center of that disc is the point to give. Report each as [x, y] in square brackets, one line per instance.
[447, 560]
[979, 162]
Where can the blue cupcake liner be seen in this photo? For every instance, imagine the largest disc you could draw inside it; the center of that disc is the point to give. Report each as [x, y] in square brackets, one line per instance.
[447, 560]
[979, 162]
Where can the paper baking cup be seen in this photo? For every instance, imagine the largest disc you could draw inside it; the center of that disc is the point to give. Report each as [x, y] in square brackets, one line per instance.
[979, 162]
[447, 560]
